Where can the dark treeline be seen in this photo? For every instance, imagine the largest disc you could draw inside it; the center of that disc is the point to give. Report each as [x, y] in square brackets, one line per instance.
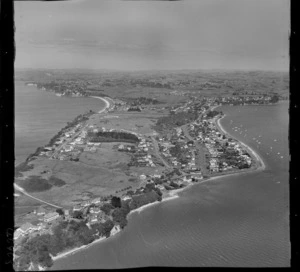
[113, 136]
[144, 101]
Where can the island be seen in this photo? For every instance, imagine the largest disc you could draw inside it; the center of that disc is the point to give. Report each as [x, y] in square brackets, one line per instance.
[157, 135]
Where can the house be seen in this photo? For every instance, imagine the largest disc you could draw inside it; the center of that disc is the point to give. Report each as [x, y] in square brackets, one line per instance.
[24, 229]
[126, 197]
[40, 211]
[77, 208]
[51, 216]
[102, 217]
[93, 219]
[66, 212]
[96, 200]
[95, 210]
[18, 233]
[28, 227]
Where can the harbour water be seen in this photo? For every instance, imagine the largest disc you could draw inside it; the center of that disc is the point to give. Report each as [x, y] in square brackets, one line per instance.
[39, 115]
[234, 221]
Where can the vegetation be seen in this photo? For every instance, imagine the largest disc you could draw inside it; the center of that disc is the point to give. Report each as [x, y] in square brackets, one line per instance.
[119, 214]
[116, 202]
[143, 101]
[66, 235]
[212, 114]
[38, 184]
[143, 199]
[113, 136]
[134, 109]
[175, 120]
[22, 167]
[107, 208]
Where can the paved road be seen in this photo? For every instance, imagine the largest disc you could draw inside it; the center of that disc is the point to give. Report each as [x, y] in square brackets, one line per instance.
[199, 147]
[156, 148]
[20, 189]
[68, 141]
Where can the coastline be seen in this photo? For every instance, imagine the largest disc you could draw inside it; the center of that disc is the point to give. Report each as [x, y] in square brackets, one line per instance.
[107, 103]
[261, 164]
[173, 194]
[72, 251]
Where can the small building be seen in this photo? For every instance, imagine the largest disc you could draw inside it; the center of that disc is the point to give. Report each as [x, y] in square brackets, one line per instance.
[96, 200]
[51, 216]
[25, 229]
[77, 208]
[40, 211]
[93, 219]
[126, 197]
[95, 210]
[18, 233]
[66, 212]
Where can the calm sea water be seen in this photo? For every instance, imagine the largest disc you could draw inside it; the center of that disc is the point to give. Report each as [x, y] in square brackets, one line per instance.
[232, 221]
[39, 115]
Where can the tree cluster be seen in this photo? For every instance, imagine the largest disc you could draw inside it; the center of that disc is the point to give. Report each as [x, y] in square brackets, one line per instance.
[113, 136]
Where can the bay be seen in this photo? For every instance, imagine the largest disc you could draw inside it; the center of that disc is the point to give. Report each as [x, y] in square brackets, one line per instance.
[234, 221]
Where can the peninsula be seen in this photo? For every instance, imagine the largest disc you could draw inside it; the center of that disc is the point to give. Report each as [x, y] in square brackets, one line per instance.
[156, 136]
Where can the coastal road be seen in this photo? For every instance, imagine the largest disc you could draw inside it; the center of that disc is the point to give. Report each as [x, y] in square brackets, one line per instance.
[22, 190]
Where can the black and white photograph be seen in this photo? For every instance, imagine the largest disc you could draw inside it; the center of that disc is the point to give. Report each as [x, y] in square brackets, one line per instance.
[151, 134]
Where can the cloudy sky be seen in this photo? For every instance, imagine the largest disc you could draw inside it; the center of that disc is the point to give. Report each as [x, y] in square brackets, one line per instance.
[135, 35]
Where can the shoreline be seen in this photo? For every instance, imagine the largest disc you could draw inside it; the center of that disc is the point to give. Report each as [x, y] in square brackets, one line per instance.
[72, 251]
[107, 103]
[261, 164]
[173, 194]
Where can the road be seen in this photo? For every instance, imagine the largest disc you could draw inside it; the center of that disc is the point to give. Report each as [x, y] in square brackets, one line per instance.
[201, 152]
[68, 141]
[156, 148]
[20, 189]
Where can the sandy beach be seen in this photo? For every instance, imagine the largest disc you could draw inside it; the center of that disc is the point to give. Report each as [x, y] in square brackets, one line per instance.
[72, 251]
[107, 103]
[261, 164]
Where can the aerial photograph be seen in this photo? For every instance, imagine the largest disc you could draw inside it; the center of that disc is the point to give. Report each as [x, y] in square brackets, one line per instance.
[151, 134]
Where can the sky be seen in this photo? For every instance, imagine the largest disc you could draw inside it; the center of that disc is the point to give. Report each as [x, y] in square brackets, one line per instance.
[153, 35]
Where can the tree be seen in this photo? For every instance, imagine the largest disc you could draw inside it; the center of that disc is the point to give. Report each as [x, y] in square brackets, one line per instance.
[106, 208]
[78, 214]
[119, 216]
[274, 99]
[60, 211]
[116, 202]
[107, 227]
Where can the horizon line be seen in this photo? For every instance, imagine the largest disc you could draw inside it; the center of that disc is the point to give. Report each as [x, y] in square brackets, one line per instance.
[155, 70]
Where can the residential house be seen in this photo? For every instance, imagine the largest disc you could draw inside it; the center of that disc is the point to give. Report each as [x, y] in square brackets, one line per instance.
[51, 216]
[77, 208]
[25, 229]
